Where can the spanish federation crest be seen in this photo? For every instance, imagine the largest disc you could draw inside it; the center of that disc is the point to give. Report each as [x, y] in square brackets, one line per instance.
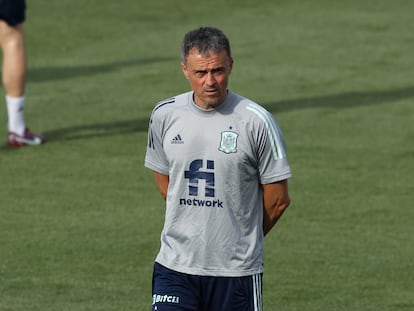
[228, 143]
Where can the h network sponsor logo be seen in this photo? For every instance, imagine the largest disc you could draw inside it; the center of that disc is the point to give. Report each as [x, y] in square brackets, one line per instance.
[201, 172]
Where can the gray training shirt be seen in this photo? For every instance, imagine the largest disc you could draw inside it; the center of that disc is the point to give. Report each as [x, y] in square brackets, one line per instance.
[216, 160]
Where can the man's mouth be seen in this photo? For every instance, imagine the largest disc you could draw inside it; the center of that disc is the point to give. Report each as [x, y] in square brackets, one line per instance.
[210, 91]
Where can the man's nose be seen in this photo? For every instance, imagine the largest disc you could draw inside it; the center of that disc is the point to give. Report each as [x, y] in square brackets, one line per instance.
[211, 79]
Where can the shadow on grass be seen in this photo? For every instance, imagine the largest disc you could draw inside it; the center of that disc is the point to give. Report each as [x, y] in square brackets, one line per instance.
[340, 101]
[337, 101]
[97, 130]
[44, 74]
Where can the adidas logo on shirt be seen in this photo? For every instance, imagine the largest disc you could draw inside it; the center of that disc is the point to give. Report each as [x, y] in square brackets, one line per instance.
[177, 140]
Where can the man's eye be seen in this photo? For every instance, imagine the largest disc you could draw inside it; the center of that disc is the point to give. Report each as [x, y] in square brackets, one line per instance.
[218, 70]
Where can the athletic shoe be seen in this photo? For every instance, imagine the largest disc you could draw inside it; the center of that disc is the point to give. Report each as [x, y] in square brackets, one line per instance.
[27, 139]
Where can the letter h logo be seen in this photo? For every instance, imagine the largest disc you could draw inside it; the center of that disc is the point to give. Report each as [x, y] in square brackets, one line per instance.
[194, 175]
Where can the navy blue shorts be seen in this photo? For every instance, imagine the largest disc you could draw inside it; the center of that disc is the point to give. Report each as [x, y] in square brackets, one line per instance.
[13, 12]
[175, 291]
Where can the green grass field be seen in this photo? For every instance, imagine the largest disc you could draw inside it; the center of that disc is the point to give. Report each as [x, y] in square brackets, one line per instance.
[80, 217]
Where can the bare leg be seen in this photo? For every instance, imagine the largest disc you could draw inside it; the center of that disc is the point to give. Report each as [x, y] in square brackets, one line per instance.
[14, 59]
[14, 68]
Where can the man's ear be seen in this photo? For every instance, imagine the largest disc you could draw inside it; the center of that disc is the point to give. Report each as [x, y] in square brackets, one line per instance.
[184, 69]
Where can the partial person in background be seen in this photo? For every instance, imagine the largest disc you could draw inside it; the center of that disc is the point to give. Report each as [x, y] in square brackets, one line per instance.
[14, 67]
[219, 160]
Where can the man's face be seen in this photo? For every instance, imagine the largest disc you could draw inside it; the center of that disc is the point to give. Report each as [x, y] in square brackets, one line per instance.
[208, 76]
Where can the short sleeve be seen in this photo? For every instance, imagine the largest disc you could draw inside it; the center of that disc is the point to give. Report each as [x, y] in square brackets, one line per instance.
[155, 158]
[273, 165]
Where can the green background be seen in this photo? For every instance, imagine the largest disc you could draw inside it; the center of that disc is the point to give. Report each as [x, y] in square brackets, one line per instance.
[80, 216]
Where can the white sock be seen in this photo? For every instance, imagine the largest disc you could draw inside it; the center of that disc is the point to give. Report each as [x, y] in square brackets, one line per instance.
[15, 110]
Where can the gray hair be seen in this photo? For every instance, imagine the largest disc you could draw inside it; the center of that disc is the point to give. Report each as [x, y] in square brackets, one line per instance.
[205, 40]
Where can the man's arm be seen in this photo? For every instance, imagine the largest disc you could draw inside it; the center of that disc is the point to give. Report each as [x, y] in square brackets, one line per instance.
[162, 182]
[275, 201]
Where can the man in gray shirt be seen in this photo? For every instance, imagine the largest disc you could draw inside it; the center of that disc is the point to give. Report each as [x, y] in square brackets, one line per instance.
[219, 160]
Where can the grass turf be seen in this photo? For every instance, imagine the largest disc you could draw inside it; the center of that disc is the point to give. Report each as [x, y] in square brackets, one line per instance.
[80, 217]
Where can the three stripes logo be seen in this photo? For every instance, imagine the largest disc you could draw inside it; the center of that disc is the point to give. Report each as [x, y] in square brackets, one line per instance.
[177, 140]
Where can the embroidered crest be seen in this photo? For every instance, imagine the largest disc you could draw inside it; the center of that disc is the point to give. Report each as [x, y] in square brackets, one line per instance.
[228, 143]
